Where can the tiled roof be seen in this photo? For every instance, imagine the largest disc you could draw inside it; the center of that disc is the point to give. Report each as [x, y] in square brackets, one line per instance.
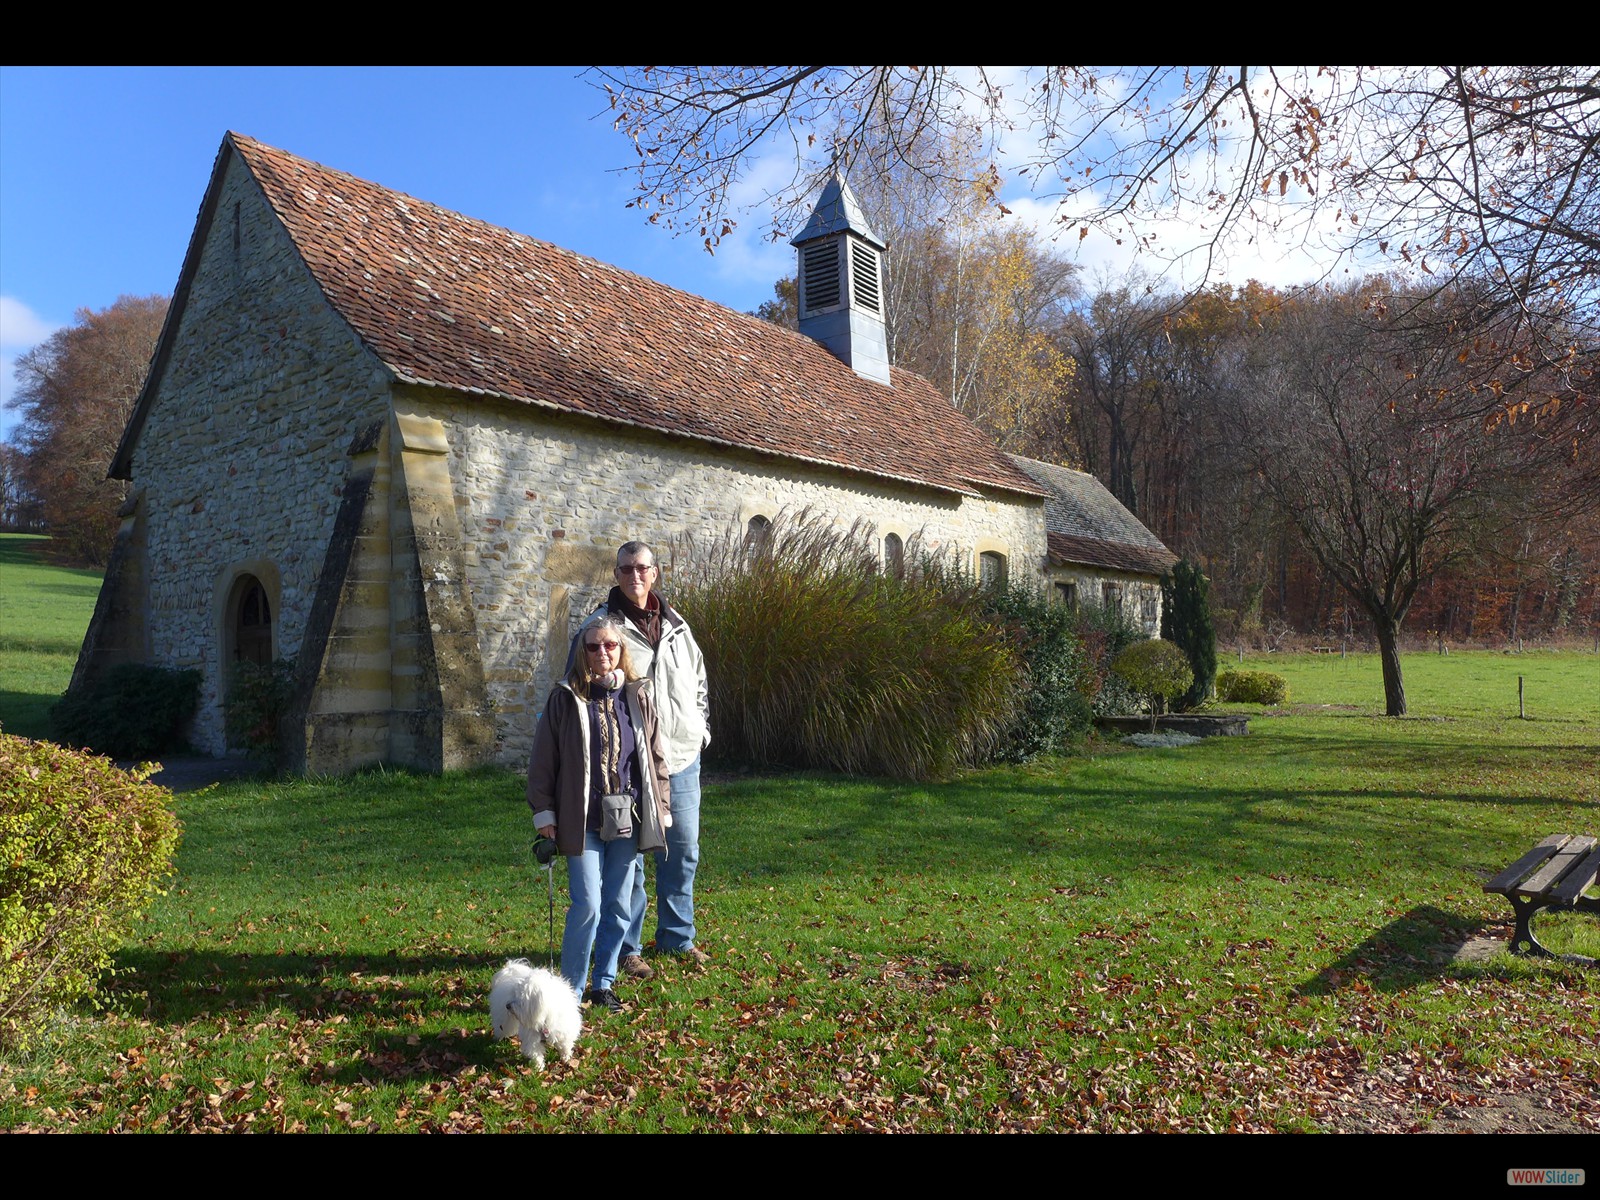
[1093, 552]
[446, 300]
[1086, 524]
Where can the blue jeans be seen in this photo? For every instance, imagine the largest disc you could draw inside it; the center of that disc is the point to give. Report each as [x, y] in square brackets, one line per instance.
[674, 873]
[600, 882]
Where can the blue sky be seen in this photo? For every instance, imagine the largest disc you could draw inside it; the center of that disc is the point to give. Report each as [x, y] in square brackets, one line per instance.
[102, 170]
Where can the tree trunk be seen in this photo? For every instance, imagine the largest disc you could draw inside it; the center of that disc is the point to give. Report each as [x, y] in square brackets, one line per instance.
[1394, 685]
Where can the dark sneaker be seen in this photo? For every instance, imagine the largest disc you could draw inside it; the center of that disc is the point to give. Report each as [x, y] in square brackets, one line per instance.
[602, 998]
[635, 967]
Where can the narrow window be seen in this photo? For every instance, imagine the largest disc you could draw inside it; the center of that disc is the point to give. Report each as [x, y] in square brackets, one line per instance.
[992, 568]
[1067, 595]
[1111, 595]
[894, 556]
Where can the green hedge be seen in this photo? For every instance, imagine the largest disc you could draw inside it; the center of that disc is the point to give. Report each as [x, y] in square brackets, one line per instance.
[1252, 687]
[134, 712]
[83, 846]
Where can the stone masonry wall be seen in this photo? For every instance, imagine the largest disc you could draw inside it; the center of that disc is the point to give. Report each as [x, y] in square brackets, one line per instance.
[244, 451]
[545, 499]
[1141, 595]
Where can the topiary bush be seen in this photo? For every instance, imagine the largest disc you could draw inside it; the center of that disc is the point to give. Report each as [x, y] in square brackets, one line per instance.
[1252, 687]
[1157, 670]
[84, 846]
[817, 657]
[134, 712]
[1104, 632]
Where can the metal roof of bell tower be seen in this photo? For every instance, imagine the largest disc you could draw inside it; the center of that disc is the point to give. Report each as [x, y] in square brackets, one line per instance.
[837, 211]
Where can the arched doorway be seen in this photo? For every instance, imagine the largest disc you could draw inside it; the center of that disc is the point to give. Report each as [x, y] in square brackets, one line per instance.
[249, 622]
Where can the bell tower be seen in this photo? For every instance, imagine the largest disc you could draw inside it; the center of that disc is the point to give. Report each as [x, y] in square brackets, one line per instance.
[841, 274]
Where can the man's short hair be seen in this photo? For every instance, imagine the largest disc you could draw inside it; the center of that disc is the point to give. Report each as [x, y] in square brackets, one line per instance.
[635, 549]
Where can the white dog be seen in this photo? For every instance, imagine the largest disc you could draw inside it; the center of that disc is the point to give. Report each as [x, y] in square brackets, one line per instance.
[537, 1007]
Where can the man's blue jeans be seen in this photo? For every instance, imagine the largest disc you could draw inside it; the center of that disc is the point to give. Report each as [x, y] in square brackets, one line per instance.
[600, 881]
[674, 873]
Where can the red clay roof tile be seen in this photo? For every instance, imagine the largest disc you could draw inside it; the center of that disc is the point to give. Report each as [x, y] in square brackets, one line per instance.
[450, 301]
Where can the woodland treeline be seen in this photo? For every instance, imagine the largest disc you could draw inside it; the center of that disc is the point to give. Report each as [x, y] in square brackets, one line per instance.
[1343, 462]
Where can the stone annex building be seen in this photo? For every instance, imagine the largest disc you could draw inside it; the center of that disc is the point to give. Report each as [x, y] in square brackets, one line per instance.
[399, 447]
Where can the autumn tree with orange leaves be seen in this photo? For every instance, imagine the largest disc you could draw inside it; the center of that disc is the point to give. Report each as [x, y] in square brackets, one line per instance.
[75, 392]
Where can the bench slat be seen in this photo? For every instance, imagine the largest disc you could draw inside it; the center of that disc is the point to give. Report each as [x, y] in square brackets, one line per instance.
[1560, 863]
[1578, 880]
[1513, 875]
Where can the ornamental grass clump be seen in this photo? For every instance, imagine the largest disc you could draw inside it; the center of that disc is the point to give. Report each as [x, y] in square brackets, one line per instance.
[84, 846]
[819, 657]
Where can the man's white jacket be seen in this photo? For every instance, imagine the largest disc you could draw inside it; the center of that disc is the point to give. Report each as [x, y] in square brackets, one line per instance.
[679, 671]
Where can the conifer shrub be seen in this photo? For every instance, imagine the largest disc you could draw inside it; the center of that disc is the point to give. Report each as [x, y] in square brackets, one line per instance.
[1186, 622]
[1155, 669]
[84, 846]
[134, 711]
[1252, 687]
[818, 657]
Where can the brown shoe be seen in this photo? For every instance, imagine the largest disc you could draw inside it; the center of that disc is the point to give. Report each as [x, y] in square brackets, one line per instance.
[635, 967]
[692, 954]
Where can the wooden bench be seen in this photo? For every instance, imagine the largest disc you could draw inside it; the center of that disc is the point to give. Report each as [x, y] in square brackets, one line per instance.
[1554, 874]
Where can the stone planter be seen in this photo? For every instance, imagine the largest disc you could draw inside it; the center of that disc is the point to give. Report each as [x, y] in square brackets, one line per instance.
[1194, 724]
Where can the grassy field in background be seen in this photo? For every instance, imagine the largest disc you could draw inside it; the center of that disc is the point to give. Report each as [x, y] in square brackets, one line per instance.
[1248, 933]
[44, 611]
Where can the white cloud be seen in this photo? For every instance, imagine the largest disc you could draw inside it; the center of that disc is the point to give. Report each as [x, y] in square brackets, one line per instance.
[20, 329]
[20, 326]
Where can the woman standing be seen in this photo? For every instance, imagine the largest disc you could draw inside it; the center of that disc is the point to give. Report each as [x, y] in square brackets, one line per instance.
[598, 785]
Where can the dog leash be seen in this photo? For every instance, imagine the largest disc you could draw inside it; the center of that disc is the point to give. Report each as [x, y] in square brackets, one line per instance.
[549, 866]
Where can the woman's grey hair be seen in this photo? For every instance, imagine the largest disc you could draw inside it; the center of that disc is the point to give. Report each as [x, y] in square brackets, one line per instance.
[578, 675]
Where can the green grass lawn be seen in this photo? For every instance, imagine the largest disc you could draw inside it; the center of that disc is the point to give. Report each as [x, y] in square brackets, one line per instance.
[1249, 933]
[44, 611]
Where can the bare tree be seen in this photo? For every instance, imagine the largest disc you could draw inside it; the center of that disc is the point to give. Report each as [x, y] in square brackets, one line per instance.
[75, 391]
[1353, 424]
[1450, 172]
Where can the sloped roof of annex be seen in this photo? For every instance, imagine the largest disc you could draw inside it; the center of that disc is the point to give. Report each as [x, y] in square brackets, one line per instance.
[1086, 525]
[445, 300]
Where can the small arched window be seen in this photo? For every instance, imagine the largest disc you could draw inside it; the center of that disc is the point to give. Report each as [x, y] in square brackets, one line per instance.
[992, 568]
[894, 556]
[252, 622]
[757, 533]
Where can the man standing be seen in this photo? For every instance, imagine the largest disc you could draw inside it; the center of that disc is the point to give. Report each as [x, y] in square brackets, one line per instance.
[663, 647]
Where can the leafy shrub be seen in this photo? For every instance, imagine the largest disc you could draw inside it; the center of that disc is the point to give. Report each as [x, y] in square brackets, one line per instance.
[1050, 705]
[83, 845]
[1252, 687]
[259, 695]
[1186, 622]
[817, 657]
[134, 712]
[1104, 632]
[1157, 670]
